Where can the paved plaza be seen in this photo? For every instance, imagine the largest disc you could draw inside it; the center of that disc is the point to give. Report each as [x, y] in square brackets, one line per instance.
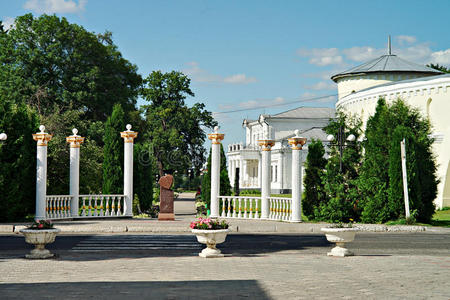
[147, 259]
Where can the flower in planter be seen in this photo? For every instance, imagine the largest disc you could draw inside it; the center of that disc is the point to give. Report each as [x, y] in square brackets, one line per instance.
[41, 224]
[209, 224]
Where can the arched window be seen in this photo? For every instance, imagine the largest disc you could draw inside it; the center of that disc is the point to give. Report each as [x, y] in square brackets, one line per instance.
[428, 107]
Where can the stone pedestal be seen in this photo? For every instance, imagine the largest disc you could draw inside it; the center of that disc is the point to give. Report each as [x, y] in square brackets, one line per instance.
[166, 212]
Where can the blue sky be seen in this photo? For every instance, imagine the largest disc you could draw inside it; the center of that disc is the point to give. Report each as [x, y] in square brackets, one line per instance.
[253, 54]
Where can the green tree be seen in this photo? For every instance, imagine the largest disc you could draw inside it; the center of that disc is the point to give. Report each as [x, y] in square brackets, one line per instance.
[314, 171]
[384, 131]
[174, 129]
[52, 62]
[17, 161]
[340, 187]
[225, 186]
[439, 68]
[113, 152]
[143, 175]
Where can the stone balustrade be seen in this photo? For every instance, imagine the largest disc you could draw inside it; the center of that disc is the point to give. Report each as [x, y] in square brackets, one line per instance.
[248, 207]
[59, 206]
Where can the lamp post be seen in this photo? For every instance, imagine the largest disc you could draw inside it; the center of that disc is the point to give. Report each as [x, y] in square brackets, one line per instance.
[3, 136]
[341, 142]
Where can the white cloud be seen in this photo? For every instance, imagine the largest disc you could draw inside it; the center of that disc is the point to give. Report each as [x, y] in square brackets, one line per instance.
[201, 75]
[322, 57]
[361, 54]
[239, 78]
[55, 6]
[254, 103]
[7, 22]
[408, 39]
[321, 85]
[441, 57]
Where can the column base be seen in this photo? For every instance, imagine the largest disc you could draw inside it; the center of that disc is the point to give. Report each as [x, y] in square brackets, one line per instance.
[166, 217]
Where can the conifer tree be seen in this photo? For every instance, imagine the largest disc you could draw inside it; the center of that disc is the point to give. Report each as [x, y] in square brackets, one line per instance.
[143, 175]
[113, 152]
[381, 177]
[314, 190]
[17, 161]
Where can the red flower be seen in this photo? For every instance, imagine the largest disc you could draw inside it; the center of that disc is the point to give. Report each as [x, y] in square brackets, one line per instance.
[41, 226]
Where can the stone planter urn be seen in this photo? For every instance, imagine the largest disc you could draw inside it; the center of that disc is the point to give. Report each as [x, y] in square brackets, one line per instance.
[210, 238]
[39, 238]
[340, 236]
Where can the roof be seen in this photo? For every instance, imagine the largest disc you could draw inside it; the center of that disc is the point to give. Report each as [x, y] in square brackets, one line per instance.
[306, 113]
[311, 133]
[387, 63]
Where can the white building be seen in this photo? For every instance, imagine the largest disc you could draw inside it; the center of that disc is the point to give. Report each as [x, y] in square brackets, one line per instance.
[245, 158]
[391, 77]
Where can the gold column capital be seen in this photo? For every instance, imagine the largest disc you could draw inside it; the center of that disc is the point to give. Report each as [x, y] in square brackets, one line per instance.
[42, 137]
[216, 137]
[297, 141]
[75, 140]
[266, 145]
[128, 135]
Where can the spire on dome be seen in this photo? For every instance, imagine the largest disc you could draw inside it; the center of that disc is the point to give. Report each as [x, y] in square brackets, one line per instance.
[389, 45]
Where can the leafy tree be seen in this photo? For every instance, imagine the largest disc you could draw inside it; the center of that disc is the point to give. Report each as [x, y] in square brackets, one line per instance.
[174, 129]
[143, 176]
[52, 62]
[60, 125]
[113, 152]
[17, 161]
[340, 187]
[225, 186]
[384, 131]
[314, 171]
[439, 68]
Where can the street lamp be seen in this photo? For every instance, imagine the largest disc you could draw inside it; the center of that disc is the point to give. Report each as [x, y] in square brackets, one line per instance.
[341, 143]
[3, 136]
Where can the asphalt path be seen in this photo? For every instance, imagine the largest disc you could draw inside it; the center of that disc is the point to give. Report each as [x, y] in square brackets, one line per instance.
[133, 245]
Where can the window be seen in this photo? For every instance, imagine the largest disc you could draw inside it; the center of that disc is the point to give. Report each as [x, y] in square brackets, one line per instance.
[276, 173]
[271, 173]
[428, 107]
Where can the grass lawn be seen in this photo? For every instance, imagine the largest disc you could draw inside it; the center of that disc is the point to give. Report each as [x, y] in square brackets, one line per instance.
[441, 218]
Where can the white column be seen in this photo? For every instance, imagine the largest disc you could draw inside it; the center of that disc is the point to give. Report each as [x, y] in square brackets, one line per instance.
[42, 139]
[215, 137]
[259, 173]
[296, 143]
[241, 173]
[281, 170]
[232, 171]
[74, 181]
[266, 147]
[128, 137]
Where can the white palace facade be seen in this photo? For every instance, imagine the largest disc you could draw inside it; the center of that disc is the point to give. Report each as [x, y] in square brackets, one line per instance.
[244, 159]
[359, 89]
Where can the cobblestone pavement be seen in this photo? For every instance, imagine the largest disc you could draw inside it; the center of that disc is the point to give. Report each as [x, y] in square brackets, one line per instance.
[289, 274]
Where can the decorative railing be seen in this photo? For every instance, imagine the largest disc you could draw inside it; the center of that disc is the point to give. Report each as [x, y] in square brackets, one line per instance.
[243, 207]
[58, 206]
[280, 208]
[102, 205]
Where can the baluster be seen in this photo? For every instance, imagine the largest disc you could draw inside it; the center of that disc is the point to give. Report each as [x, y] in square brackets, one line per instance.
[95, 206]
[256, 208]
[240, 208]
[83, 212]
[57, 205]
[278, 215]
[107, 206]
[234, 207]
[90, 206]
[223, 206]
[290, 209]
[69, 200]
[113, 206]
[251, 208]
[245, 208]
[60, 207]
[286, 209]
[102, 213]
[46, 207]
[229, 207]
[53, 207]
[119, 206]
